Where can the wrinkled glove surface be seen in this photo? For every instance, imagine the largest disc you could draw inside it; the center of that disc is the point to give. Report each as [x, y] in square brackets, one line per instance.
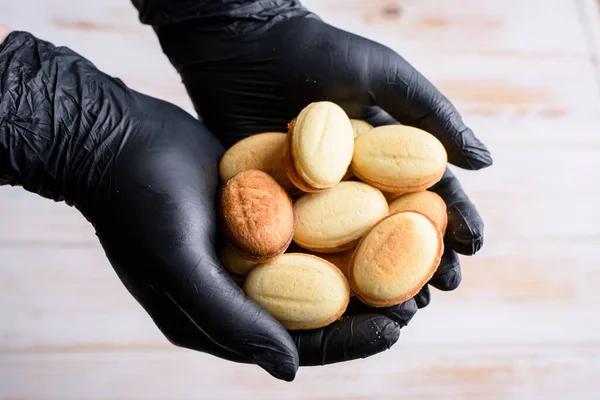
[143, 172]
[251, 66]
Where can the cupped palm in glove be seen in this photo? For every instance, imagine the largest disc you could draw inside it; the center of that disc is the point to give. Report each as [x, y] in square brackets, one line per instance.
[144, 173]
[252, 66]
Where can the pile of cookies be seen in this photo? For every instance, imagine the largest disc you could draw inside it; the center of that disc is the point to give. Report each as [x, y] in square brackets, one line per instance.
[333, 208]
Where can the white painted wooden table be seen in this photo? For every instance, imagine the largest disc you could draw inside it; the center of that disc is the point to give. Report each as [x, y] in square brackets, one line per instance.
[523, 325]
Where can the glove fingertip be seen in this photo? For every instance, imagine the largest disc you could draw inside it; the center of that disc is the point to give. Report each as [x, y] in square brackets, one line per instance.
[480, 161]
[448, 275]
[474, 154]
[464, 233]
[476, 243]
[273, 350]
[423, 298]
[284, 370]
[403, 313]
[391, 332]
[350, 338]
[467, 244]
[449, 281]
[385, 333]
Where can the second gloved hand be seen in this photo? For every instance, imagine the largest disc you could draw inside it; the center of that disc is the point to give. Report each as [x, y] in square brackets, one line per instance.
[251, 66]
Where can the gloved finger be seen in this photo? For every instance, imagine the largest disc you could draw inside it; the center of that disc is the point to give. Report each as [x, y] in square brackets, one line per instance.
[411, 99]
[400, 313]
[423, 297]
[221, 310]
[464, 233]
[177, 327]
[375, 116]
[350, 338]
[448, 275]
[174, 324]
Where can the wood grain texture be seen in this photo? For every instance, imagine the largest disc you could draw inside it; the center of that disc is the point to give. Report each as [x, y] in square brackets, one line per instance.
[441, 373]
[46, 289]
[523, 324]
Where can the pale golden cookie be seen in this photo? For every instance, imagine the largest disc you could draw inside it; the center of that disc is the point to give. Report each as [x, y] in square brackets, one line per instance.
[263, 151]
[399, 159]
[335, 219]
[391, 196]
[233, 262]
[395, 259]
[319, 147]
[301, 291]
[341, 259]
[360, 126]
[426, 202]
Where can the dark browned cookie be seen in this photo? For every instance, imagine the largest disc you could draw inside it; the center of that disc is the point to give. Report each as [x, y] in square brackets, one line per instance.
[257, 215]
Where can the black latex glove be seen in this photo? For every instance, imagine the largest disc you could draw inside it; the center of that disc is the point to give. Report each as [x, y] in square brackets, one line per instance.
[144, 173]
[251, 66]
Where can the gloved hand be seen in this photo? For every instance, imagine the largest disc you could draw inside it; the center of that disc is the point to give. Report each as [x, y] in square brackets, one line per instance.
[144, 173]
[251, 66]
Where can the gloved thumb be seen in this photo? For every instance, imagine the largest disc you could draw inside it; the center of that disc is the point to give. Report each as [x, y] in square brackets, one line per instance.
[222, 311]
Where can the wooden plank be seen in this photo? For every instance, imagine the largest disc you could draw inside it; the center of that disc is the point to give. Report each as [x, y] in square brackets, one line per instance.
[496, 60]
[524, 323]
[589, 14]
[537, 372]
[523, 118]
[461, 25]
[69, 298]
[492, 54]
[30, 219]
[110, 35]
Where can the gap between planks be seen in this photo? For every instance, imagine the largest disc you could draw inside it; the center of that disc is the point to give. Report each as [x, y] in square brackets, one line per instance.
[449, 373]
[589, 13]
